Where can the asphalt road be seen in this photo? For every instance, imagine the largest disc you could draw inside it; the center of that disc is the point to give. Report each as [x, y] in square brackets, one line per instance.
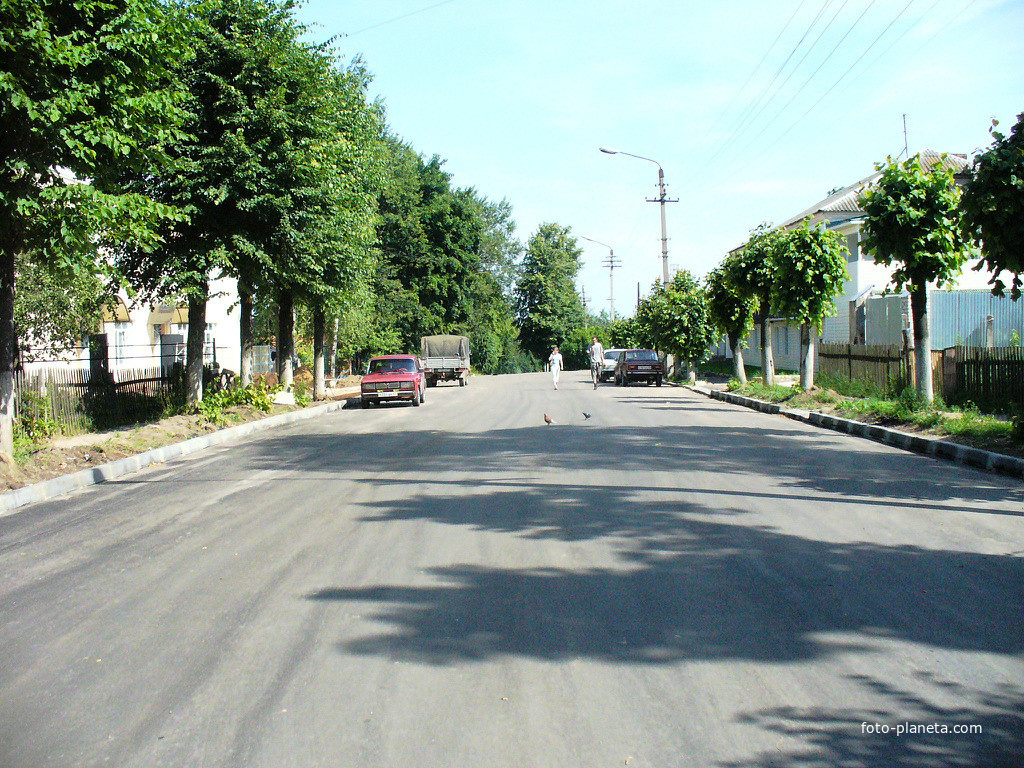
[674, 582]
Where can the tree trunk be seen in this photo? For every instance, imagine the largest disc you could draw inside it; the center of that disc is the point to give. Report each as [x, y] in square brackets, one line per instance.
[334, 349]
[245, 334]
[739, 371]
[285, 338]
[808, 347]
[7, 360]
[194, 346]
[767, 358]
[922, 340]
[319, 334]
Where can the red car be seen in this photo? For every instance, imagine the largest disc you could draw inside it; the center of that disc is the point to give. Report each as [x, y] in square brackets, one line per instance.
[391, 378]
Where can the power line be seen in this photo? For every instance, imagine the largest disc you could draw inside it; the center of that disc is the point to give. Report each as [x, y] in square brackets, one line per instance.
[755, 69]
[843, 76]
[741, 122]
[398, 18]
[813, 74]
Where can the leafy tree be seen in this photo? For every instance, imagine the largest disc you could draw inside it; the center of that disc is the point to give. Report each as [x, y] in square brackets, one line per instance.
[623, 333]
[810, 267]
[731, 311]
[676, 317]
[754, 275]
[54, 309]
[85, 90]
[993, 207]
[430, 239]
[913, 223]
[547, 304]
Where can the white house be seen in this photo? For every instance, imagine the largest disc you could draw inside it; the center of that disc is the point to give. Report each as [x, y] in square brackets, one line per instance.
[862, 313]
[138, 335]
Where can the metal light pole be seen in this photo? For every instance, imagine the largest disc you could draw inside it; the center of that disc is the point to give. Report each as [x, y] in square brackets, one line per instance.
[611, 263]
[661, 198]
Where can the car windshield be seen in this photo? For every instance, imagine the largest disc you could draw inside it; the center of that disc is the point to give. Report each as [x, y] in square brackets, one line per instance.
[612, 354]
[641, 354]
[392, 366]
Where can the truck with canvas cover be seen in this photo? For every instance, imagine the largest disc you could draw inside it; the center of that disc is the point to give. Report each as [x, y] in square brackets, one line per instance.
[445, 358]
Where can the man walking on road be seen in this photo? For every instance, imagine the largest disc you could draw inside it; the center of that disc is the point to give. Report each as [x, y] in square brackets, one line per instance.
[596, 361]
[555, 359]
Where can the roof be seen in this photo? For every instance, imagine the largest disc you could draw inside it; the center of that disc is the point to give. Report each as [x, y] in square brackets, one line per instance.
[838, 207]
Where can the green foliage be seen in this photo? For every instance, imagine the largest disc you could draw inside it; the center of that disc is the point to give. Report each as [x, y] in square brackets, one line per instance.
[257, 396]
[547, 305]
[810, 267]
[55, 308]
[623, 334]
[913, 224]
[35, 417]
[993, 207]
[730, 307]
[303, 397]
[677, 320]
[752, 270]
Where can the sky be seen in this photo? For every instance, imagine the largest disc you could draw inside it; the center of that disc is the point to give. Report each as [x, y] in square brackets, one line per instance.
[755, 110]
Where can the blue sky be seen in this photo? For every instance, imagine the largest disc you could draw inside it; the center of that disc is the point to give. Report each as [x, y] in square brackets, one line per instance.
[754, 109]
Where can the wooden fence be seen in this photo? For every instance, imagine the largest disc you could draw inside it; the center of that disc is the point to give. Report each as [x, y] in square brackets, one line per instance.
[76, 402]
[885, 366]
[988, 376]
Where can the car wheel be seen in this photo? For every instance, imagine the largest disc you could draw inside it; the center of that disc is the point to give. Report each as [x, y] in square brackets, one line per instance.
[657, 382]
[416, 399]
[423, 394]
[364, 404]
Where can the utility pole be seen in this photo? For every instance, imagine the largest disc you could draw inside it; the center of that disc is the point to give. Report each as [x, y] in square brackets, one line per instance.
[611, 262]
[661, 198]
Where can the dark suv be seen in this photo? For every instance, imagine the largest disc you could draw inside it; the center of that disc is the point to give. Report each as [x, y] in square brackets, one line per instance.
[639, 365]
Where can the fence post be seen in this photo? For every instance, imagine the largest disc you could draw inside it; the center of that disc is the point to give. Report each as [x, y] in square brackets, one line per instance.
[99, 360]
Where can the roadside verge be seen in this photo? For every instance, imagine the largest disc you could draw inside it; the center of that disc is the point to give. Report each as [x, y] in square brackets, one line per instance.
[941, 449]
[58, 486]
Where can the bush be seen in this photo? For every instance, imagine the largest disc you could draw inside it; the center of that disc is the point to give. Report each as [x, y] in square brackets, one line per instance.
[257, 395]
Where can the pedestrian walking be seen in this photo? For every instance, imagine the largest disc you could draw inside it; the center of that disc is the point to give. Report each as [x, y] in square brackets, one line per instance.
[555, 359]
[596, 361]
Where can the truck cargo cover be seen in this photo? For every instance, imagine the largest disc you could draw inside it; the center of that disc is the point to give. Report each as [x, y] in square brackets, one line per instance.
[444, 346]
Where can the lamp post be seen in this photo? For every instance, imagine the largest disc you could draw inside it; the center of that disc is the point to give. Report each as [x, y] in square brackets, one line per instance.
[611, 262]
[661, 198]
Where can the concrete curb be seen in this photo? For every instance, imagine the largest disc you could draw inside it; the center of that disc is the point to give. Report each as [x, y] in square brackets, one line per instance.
[941, 449]
[58, 486]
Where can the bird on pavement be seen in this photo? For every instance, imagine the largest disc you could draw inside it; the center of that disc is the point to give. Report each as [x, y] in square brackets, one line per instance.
[548, 420]
[586, 415]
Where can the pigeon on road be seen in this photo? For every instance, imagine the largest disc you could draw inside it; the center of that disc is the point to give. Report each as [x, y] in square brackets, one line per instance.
[548, 420]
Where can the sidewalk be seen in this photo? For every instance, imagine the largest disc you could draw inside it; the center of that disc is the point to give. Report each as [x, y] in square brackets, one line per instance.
[941, 449]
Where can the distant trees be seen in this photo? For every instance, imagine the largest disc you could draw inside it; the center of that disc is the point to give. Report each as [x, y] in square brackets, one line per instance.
[993, 207]
[548, 306]
[913, 224]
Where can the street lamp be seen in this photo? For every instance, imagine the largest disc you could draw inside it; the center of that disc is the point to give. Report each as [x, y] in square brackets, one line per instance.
[611, 263]
[661, 198]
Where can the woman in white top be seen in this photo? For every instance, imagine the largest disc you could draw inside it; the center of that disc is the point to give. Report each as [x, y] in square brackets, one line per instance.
[555, 359]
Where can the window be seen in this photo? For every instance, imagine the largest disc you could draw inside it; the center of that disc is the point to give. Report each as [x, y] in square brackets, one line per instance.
[853, 244]
[120, 342]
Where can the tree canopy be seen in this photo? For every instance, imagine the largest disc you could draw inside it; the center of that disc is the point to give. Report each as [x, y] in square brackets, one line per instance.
[547, 303]
[993, 207]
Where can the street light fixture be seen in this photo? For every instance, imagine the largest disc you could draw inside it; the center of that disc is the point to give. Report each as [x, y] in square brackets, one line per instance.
[661, 198]
[611, 262]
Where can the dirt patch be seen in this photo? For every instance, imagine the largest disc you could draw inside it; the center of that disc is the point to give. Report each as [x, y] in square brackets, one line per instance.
[63, 456]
